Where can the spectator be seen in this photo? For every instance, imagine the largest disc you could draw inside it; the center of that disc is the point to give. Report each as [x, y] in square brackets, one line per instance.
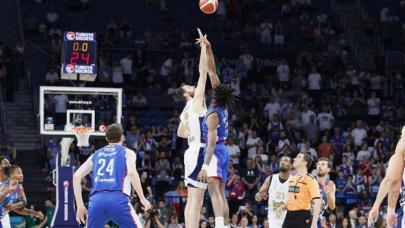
[117, 74]
[362, 222]
[274, 127]
[250, 179]
[51, 77]
[311, 130]
[247, 59]
[31, 221]
[314, 83]
[125, 29]
[265, 32]
[166, 68]
[325, 119]
[50, 209]
[364, 152]
[52, 17]
[359, 133]
[173, 222]
[234, 151]
[164, 212]
[139, 101]
[325, 149]
[126, 65]
[272, 107]
[309, 150]
[252, 144]
[306, 114]
[283, 73]
[373, 108]
[236, 192]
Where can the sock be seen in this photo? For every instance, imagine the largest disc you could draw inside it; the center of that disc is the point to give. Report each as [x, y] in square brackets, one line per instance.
[219, 222]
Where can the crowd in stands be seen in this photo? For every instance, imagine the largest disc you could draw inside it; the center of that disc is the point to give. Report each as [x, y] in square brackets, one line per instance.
[313, 101]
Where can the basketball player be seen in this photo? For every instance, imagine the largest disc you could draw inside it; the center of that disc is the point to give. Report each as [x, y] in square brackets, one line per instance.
[326, 186]
[275, 188]
[113, 170]
[214, 169]
[12, 195]
[5, 220]
[190, 127]
[391, 185]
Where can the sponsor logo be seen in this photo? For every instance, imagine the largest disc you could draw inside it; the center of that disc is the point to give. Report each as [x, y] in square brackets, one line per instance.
[70, 68]
[83, 69]
[65, 200]
[70, 36]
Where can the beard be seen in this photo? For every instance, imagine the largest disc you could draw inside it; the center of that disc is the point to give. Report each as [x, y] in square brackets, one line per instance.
[321, 174]
[284, 169]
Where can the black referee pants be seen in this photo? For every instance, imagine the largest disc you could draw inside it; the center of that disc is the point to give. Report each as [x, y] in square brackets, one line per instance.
[298, 219]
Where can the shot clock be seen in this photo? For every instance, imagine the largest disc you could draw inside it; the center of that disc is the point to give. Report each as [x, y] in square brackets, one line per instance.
[79, 55]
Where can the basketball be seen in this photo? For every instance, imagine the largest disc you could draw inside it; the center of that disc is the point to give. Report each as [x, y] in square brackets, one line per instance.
[208, 6]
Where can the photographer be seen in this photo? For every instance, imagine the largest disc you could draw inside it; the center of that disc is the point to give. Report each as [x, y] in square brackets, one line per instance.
[152, 219]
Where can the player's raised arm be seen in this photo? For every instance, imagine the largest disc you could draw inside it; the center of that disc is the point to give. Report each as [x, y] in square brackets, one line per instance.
[134, 178]
[83, 171]
[394, 176]
[199, 93]
[212, 70]
[331, 196]
[264, 189]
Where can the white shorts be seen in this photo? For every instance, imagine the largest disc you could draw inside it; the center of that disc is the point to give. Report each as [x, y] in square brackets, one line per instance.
[5, 221]
[193, 161]
[275, 222]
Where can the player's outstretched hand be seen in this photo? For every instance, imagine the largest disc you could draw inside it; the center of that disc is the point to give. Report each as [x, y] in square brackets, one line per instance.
[146, 205]
[39, 215]
[81, 215]
[372, 216]
[202, 176]
[202, 39]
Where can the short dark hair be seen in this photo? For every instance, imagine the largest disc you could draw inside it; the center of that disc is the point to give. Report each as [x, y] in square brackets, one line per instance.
[308, 160]
[327, 160]
[181, 91]
[10, 169]
[114, 133]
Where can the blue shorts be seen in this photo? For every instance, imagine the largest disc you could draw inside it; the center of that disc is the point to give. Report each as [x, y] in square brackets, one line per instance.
[111, 206]
[218, 166]
[193, 161]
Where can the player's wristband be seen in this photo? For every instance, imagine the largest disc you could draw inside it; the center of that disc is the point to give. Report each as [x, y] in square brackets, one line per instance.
[390, 210]
[204, 167]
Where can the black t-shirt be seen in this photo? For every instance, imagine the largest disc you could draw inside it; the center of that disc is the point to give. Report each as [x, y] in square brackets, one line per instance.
[250, 175]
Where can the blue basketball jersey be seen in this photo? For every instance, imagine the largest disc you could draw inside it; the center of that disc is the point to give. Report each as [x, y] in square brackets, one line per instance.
[222, 131]
[110, 170]
[11, 198]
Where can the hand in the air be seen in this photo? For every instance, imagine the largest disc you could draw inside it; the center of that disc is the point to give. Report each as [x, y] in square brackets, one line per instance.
[202, 39]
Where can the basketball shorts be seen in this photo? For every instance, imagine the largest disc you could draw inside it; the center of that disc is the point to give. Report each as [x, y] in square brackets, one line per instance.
[400, 218]
[294, 219]
[275, 222]
[5, 222]
[218, 166]
[193, 161]
[115, 206]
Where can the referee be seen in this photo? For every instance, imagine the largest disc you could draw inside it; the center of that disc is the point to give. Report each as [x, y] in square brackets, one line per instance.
[303, 191]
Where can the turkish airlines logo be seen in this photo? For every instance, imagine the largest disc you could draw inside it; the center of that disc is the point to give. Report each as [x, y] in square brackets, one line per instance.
[70, 35]
[70, 68]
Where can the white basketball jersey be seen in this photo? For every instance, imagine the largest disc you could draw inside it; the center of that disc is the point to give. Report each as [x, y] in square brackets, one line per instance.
[278, 195]
[193, 122]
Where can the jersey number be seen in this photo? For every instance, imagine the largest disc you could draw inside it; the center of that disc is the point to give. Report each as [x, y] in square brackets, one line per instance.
[109, 169]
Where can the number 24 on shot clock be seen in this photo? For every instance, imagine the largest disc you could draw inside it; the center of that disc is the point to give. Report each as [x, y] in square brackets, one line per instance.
[79, 53]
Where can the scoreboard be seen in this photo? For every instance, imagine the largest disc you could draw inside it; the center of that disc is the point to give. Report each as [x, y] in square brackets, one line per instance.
[79, 55]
